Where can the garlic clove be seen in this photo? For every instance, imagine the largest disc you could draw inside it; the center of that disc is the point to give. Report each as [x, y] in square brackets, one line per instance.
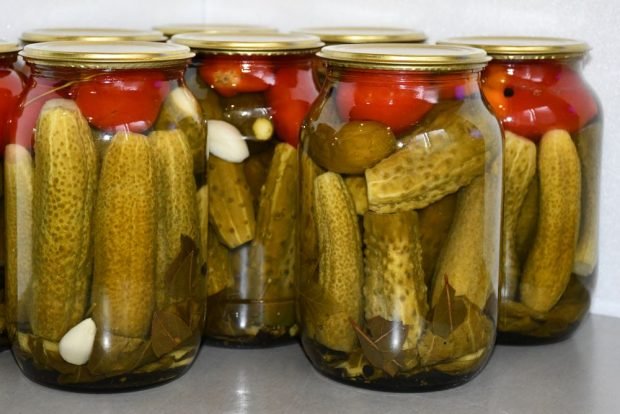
[226, 142]
[77, 344]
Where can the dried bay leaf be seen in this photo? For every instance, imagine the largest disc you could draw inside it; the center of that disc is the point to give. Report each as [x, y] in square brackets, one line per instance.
[449, 312]
[167, 332]
[181, 272]
[383, 345]
[114, 355]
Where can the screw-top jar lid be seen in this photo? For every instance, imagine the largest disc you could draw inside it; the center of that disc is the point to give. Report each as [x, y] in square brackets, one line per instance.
[91, 35]
[8, 47]
[106, 54]
[173, 29]
[405, 56]
[361, 34]
[249, 44]
[523, 47]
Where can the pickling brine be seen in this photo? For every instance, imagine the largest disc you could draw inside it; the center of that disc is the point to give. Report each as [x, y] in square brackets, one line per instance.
[255, 91]
[103, 176]
[399, 222]
[553, 125]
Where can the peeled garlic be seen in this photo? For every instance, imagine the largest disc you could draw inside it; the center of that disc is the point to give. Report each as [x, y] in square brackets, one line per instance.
[226, 142]
[77, 344]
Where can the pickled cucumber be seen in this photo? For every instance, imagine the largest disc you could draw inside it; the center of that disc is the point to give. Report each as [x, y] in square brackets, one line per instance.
[462, 261]
[519, 169]
[588, 142]
[357, 189]
[308, 228]
[123, 294]
[356, 146]
[550, 261]
[177, 212]
[394, 286]
[273, 249]
[18, 195]
[231, 211]
[250, 113]
[340, 269]
[435, 221]
[181, 111]
[63, 199]
[525, 230]
[445, 152]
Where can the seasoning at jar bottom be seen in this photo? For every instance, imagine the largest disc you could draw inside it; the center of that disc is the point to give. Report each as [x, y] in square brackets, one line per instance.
[102, 176]
[12, 84]
[554, 126]
[400, 201]
[255, 91]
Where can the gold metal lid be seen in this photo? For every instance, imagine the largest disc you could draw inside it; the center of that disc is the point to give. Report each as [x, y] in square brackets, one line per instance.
[8, 47]
[106, 54]
[91, 35]
[249, 43]
[173, 29]
[405, 56]
[360, 34]
[523, 47]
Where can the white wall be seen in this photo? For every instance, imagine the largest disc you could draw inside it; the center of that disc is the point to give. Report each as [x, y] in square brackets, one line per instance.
[594, 21]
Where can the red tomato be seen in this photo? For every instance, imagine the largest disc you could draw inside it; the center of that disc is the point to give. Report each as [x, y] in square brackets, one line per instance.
[22, 130]
[290, 99]
[383, 98]
[532, 98]
[11, 88]
[230, 77]
[127, 100]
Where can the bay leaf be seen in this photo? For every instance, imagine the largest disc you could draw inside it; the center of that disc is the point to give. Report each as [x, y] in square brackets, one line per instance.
[388, 336]
[167, 332]
[114, 354]
[181, 272]
[449, 312]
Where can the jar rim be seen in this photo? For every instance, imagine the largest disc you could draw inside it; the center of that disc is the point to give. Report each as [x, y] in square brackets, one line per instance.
[405, 56]
[91, 34]
[181, 28]
[8, 47]
[249, 43]
[106, 54]
[365, 34]
[523, 47]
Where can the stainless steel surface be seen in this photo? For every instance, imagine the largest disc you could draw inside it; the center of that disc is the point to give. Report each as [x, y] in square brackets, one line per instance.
[580, 375]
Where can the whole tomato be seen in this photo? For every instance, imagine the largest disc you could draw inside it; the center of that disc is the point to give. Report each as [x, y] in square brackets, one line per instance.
[290, 99]
[26, 115]
[230, 76]
[531, 98]
[128, 100]
[382, 97]
[11, 88]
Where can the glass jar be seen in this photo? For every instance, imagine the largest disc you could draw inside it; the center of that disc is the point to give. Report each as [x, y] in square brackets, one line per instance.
[174, 29]
[360, 34]
[105, 191]
[12, 84]
[399, 218]
[255, 91]
[554, 124]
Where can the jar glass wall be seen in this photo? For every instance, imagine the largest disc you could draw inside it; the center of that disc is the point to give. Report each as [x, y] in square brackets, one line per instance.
[399, 218]
[255, 91]
[553, 124]
[105, 185]
[12, 85]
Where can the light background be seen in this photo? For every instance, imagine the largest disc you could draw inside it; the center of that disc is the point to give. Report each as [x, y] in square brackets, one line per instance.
[594, 21]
